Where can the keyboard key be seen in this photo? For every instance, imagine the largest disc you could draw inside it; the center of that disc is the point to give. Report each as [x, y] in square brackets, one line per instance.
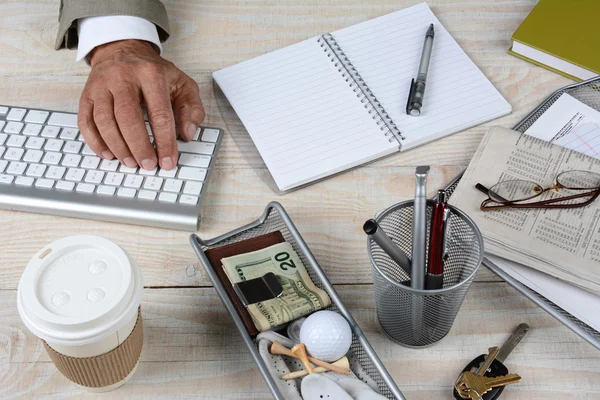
[125, 192]
[197, 134]
[52, 158]
[44, 183]
[24, 181]
[167, 197]
[16, 168]
[32, 129]
[63, 119]
[14, 154]
[134, 181]
[94, 177]
[3, 136]
[2, 150]
[16, 114]
[36, 117]
[75, 174]
[54, 145]
[3, 110]
[50, 132]
[147, 195]
[148, 172]
[173, 185]
[56, 172]
[127, 170]
[194, 160]
[85, 188]
[109, 165]
[114, 179]
[69, 133]
[90, 162]
[72, 147]
[190, 200]
[33, 156]
[3, 164]
[36, 170]
[63, 185]
[195, 147]
[153, 183]
[192, 174]
[168, 173]
[87, 151]
[107, 190]
[71, 160]
[35, 143]
[192, 188]
[210, 135]
[6, 179]
[2, 123]
[16, 141]
[13, 127]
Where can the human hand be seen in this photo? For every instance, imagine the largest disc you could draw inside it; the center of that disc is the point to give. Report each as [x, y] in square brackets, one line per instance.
[126, 75]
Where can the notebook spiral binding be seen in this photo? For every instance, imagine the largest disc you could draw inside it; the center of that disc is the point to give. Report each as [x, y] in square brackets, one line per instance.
[362, 90]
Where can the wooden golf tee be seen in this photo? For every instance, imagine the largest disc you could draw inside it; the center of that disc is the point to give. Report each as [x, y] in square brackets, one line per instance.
[278, 348]
[299, 351]
[342, 362]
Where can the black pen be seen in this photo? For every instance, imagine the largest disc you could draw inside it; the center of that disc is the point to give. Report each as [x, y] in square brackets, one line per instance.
[417, 87]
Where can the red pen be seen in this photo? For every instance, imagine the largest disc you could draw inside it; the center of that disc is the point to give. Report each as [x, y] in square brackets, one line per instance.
[435, 261]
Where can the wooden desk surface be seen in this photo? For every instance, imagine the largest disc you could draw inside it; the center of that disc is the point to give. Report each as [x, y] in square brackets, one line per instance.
[191, 349]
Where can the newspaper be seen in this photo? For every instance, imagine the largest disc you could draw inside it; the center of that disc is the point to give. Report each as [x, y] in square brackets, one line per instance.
[564, 243]
[300, 295]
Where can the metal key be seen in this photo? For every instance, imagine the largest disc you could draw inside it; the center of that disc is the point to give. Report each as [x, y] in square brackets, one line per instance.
[497, 367]
[483, 384]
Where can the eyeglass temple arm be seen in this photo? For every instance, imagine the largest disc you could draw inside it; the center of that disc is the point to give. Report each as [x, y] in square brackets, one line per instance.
[482, 189]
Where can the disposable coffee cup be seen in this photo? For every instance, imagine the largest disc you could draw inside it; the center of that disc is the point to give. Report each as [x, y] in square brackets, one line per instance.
[81, 296]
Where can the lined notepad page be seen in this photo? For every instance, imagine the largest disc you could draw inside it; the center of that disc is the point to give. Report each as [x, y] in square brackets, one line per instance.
[304, 118]
[386, 51]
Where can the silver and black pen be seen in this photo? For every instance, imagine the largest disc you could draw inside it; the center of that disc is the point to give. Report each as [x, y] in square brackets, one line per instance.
[417, 87]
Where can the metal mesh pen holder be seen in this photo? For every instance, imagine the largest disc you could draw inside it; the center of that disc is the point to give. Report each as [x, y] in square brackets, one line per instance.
[420, 318]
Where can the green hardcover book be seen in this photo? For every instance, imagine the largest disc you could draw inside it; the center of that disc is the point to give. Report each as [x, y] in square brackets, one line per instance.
[562, 36]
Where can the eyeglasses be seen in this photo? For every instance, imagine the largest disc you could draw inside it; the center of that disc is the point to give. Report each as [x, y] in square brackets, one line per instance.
[520, 193]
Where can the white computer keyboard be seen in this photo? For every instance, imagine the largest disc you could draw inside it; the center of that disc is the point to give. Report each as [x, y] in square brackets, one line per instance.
[46, 166]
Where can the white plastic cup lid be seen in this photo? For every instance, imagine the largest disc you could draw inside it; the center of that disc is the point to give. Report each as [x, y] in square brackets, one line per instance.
[79, 290]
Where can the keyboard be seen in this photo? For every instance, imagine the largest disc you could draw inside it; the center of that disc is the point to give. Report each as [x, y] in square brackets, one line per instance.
[46, 167]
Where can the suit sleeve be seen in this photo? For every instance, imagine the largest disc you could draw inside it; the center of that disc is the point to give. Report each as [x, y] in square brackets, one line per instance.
[72, 10]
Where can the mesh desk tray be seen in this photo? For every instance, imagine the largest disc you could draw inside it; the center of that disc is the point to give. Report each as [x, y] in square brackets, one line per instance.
[276, 219]
[587, 92]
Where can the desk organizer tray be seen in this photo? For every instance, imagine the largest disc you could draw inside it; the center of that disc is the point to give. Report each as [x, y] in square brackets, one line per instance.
[276, 219]
[587, 92]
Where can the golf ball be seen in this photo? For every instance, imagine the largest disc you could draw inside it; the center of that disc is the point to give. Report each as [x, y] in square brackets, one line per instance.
[326, 335]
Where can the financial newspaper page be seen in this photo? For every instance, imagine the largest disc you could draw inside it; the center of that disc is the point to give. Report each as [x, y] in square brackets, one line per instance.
[564, 243]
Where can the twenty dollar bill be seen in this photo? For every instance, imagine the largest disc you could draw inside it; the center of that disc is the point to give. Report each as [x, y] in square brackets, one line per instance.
[300, 295]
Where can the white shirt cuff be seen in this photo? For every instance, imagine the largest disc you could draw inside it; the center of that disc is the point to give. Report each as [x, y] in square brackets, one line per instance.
[95, 31]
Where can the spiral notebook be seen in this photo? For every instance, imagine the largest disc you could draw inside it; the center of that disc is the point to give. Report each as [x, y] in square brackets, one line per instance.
[336, 101]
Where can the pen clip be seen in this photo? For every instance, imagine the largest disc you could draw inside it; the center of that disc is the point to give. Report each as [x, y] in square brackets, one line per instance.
[411, 93]
[447, 220]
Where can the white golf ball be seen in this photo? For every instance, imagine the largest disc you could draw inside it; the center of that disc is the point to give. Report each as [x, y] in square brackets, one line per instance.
[326, 335]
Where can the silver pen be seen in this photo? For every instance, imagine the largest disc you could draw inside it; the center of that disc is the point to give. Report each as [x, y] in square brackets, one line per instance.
[372, 228]
[419, 229]
[417, 87]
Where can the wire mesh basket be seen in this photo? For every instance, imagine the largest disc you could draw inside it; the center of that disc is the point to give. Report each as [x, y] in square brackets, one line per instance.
[420, 318]
[276, 219]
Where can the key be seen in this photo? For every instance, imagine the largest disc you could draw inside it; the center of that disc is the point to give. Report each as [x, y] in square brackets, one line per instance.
[63, 185]
[90, 162]
[497, 367]
[72, 147]
[87, 151]
[36, 117]
[147, 195]
[33, 156]
[2, 123]
[192, 174]
[167, 197]
[50, 132]
[125, 192]
[36, 170]
[55, 172]
[173, 185]
[75, 174]
[106, 190]
[3, 110]
[35, 143]
[52, 158]
[32, 129]
[13, 127]
[2, 150]
[190, 200]
[94, 177]
[71, 160]
[196, 147]
[153, 183]
[14, 154]
[3, 136]
[210, 135]
[16, 141]
[63, 119]
[109, 165]
[192, 188]
[133, 181]
[53, 145]
[3, 164]
[16, 114]
[481, 385]
[85, 188]
[69, 134]
[44, 183]
[24, 181]
[167, 173]
[194, 160]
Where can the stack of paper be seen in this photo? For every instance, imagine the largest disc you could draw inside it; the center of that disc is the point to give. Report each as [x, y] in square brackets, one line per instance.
[564, 243]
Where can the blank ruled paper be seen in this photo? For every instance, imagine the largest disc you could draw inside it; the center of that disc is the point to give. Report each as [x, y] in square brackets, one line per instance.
[307, 121]
[304, 118]
[386, 51]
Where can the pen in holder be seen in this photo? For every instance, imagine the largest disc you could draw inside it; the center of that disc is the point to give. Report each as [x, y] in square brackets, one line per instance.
[414, 317]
